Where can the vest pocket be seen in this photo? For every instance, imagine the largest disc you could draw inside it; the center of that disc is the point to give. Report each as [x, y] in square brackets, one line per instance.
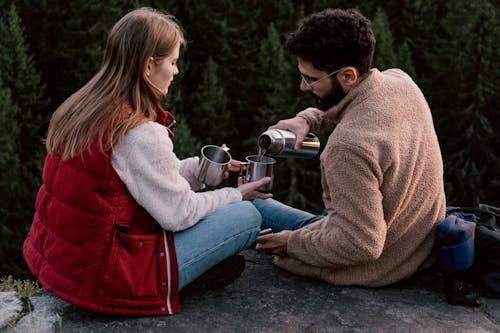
[133, 269]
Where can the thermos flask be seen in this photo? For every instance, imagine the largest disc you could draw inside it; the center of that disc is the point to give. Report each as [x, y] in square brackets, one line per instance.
[280, 143]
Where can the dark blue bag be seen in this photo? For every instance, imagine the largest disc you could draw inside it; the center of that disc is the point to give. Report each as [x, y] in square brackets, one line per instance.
[486, 266]
[468, 253]
[455, 243]
[455, 256]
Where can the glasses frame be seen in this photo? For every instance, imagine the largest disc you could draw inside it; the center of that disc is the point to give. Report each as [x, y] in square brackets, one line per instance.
[310, 84]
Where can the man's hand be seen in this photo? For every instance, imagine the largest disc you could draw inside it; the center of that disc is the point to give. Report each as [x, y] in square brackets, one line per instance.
[274, 243]
[297, 125]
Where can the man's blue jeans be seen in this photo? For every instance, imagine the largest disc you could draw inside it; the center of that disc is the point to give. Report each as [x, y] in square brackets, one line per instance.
[278, 216]
[223, 233]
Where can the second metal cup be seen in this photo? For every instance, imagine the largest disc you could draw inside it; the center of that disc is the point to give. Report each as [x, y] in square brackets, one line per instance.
[256, 170]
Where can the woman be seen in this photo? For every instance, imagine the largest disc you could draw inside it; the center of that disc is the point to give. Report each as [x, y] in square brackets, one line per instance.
[118, 227]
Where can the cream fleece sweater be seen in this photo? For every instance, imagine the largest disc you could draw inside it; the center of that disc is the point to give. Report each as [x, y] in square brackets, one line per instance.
[382, 177]
[161, 183]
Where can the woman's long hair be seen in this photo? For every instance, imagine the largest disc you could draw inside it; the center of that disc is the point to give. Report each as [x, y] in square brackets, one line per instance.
[120, 95]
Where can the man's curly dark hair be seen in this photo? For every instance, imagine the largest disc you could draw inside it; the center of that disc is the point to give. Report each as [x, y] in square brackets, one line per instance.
[334, 38]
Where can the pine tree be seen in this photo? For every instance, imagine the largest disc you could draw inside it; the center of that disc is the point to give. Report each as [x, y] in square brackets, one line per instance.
[279, 78]
[27, 93]
[85, 34]
[69, 39]
[385, 56]
[404, 60]
[212, 119]
[468, 69]
[185, 143]
[10, 178]
[46, 33]
[415, 25]
[11, 210]
[22, 137]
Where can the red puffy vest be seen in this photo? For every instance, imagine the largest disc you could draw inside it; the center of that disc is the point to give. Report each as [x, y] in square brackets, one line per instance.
[92, 245]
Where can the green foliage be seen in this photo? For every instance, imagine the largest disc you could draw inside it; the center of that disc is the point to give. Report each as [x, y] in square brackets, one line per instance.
[469, 101]
[9, 157]
[404, 60]
[69, 38]
[21, 147]
[19, 74]
[185, 143]
[279, 78]
[25, 288]
[385, 56]
[212, 120]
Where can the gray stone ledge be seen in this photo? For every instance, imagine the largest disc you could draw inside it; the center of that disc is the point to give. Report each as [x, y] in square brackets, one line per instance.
[11, 307]
[267, 299]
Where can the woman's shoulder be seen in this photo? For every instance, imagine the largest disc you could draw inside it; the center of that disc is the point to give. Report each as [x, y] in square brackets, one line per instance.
[147, 134]
[148, 129]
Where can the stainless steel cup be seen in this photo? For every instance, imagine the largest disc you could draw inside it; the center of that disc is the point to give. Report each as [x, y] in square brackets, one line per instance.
[256, 170]
[213, 163]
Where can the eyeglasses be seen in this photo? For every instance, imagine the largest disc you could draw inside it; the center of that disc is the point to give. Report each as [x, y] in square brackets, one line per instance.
[310, 81]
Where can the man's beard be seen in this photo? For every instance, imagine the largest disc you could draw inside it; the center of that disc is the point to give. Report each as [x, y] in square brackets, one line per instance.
[333, 98]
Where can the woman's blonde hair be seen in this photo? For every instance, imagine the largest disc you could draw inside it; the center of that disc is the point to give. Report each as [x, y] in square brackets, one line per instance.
[120, 95]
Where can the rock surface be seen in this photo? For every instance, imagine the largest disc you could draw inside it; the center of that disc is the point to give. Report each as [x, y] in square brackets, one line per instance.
[267, 299]
[11, 307]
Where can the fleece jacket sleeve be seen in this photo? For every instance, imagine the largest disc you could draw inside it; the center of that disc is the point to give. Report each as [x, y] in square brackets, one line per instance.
[146, 163]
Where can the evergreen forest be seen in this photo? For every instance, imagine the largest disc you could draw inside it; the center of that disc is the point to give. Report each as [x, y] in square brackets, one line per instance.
[236, 79]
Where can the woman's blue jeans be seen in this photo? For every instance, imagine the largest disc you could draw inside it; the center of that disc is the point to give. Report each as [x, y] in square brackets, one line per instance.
[223, 233]
[278, 216]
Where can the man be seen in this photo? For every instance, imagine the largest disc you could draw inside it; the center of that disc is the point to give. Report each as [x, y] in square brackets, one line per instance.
[381, 167]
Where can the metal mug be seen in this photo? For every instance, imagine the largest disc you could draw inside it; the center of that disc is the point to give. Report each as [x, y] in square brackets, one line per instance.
[256, 170]
[214, 161]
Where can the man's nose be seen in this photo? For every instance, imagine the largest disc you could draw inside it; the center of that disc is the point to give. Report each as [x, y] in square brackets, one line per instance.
[304, 87]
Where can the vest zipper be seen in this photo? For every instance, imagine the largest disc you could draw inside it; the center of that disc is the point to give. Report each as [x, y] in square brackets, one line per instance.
[169, 287]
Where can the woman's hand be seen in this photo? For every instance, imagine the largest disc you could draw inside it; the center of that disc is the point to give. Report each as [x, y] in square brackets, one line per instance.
[249, 190]
[233, 166]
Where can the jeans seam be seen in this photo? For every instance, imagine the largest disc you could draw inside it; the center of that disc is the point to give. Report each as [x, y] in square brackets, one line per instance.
[277, 222]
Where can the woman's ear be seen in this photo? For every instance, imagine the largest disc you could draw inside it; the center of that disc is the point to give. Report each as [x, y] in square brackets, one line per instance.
[148, 67]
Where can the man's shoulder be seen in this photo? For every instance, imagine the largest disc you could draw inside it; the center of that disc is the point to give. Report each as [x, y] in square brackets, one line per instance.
[396, 77]
[395, 72]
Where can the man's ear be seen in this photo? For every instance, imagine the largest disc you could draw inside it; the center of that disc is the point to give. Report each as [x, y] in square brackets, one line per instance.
[349, 77]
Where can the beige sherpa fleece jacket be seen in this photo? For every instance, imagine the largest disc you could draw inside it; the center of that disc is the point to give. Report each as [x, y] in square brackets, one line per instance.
[382, 177]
